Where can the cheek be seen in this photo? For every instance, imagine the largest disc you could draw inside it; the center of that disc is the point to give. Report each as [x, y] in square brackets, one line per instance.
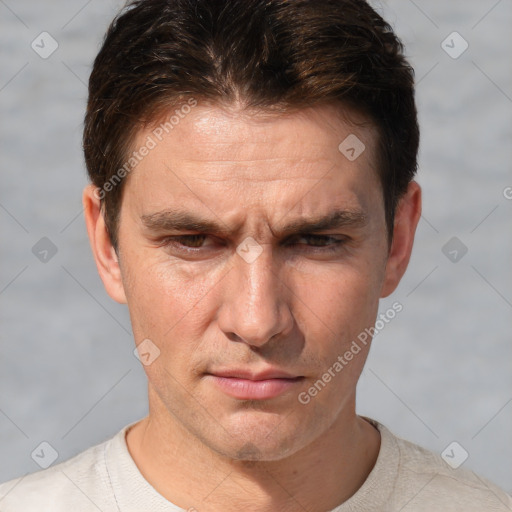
[342, 297]
[345, 305]
[169, 308]
[168, 300]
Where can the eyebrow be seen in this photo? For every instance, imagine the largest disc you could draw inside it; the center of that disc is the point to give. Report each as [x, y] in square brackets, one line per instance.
[179, 220]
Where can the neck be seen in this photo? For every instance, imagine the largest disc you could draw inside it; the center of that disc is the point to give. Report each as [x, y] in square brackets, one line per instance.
[190, 475]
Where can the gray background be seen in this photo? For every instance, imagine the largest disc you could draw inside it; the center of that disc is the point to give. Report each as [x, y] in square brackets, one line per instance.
[441, 371]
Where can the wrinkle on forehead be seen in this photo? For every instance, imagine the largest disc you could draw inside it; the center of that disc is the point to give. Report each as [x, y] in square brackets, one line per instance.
[230, 161]
[213, 126]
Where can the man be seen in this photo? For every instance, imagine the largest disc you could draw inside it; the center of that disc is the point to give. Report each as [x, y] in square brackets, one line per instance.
[251, 200]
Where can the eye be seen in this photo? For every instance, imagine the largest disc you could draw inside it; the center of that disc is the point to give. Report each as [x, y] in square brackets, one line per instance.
[322, 242]
[194, 241]
[186, 243]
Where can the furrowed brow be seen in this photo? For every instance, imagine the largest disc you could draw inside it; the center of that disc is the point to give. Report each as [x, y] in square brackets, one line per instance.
[176, 220]
[336, 219]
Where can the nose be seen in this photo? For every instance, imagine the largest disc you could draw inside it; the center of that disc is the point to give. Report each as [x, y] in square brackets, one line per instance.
[254, 305]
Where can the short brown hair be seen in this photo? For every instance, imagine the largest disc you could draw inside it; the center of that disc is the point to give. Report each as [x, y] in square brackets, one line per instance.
[273, 54]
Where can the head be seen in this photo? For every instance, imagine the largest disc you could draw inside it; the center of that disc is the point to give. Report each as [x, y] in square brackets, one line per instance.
[251, 201]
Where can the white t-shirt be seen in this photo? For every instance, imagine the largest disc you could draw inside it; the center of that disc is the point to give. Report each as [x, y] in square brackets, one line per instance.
[104, 478]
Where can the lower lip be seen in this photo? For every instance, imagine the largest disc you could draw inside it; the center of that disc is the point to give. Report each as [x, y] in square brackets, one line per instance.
[245, 389]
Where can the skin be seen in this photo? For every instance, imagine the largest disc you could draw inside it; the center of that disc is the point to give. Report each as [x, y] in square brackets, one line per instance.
[296, 307]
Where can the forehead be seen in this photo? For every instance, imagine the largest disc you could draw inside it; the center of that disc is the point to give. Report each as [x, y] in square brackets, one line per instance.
[213, 128]
[209, 156]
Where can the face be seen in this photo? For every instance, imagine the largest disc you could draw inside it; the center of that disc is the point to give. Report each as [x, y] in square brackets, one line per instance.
[252, 253]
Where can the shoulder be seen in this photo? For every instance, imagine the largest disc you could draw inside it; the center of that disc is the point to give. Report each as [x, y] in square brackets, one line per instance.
[80, 482]
[425, 481]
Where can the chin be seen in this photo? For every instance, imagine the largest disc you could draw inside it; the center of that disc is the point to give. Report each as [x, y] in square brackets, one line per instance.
[260, 436]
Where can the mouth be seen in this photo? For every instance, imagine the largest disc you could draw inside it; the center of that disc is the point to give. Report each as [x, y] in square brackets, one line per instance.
[244, 385]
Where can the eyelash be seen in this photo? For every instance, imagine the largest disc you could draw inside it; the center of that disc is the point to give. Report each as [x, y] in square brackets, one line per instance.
[176, 241]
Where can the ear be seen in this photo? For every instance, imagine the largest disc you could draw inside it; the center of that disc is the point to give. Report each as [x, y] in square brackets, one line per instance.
[105, 256]
[406, 219]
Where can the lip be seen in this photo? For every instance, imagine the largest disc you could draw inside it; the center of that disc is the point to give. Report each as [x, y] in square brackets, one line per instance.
[244, 385]
[269, 373]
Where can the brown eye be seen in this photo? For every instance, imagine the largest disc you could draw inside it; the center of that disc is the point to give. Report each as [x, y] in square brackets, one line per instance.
[325, 242]
[186, 243]
[193, 241]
